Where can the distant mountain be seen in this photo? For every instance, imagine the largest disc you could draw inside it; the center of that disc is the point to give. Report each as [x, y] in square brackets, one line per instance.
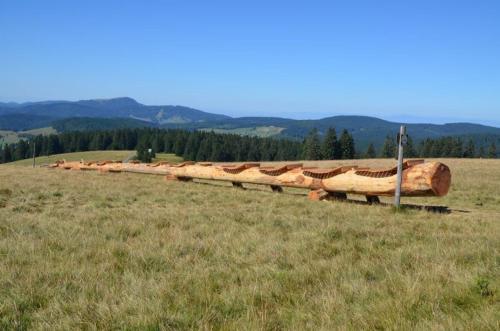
[126, 112]
[364, 129]
[110, 108]
[22, 122]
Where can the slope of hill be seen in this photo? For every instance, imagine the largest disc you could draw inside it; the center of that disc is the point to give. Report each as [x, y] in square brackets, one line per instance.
[104, 108]
[126, 112]
[92, 123]
[22, 122]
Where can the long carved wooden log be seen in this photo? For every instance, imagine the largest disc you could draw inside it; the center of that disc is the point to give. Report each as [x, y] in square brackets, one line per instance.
[419, 178]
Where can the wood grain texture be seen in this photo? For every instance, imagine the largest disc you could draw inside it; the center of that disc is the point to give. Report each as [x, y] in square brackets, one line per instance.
[419, 178]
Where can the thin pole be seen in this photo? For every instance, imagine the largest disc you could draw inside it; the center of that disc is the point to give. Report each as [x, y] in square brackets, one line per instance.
[401, 142]
[34, 151]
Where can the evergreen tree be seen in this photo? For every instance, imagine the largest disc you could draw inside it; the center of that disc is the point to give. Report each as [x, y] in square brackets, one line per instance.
[370, 152]
[346, 143]
[253, 151]
[389, 148]
[143, 154]
[330, 149]
[457, 150]
[6, 154]
[21, 150]
[192, 145]
[470, 149]
[409, 149]
[437, 148]
[426, 147]
[312, 149]
[481, 151]
[180, 143]
[492, 150]
[205, 149]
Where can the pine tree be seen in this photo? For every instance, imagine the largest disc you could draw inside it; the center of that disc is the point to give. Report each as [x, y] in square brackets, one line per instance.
[312, 149]
[346, 143]
[370, 152]
[481, 151]
[143, 153]
[426, 147]
[470, 149]
[457, 150]
[205, 149]
[180, 143]
[330, 149]
[192, 145]
[389, 148]
[492, 150]
[21, 150]
[409, 149]
[6, 154]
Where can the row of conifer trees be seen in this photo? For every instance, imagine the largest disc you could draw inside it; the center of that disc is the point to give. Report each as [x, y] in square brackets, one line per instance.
[210, 146]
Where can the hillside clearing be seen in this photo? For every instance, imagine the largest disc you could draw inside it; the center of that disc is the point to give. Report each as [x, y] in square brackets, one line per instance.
[259, 131]
[129, 251]
[11, 137]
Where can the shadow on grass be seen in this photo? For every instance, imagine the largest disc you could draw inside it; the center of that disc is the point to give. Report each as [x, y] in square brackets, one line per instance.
[402, 209]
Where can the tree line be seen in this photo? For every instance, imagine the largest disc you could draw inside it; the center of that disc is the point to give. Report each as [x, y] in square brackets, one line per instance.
[191, 145]
[210, 146]
[454, 147]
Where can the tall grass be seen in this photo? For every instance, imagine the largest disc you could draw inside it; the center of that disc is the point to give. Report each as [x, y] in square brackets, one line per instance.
[83, 250]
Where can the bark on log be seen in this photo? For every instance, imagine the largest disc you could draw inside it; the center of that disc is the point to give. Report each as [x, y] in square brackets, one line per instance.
[419, 178]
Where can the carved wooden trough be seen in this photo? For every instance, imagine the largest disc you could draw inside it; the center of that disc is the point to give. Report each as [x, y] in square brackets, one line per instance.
[419, 178]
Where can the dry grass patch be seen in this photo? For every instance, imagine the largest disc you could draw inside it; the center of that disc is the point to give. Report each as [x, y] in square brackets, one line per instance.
[83, 250]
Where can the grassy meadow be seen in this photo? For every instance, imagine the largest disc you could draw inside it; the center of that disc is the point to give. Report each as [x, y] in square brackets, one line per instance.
[11, 137]
[85, 250]
[92, 156]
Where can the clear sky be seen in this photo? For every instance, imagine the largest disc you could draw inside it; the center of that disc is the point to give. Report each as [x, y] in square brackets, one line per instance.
[432, 61]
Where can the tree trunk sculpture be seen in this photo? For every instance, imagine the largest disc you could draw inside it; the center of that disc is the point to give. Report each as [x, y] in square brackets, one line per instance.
[419, 178]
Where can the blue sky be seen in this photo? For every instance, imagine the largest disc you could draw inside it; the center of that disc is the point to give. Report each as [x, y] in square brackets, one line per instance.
[433, 61]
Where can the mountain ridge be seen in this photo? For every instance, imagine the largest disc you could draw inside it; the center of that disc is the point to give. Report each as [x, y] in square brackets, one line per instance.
[127, 112]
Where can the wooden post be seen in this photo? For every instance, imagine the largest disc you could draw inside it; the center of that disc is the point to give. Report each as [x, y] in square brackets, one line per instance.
[401, 142]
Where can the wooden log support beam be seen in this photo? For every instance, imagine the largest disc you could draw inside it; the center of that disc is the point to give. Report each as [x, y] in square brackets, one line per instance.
[418, 179]
[318, 195]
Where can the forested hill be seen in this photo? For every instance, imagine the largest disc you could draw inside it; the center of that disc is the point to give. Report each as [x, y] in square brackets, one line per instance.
[105, 114]
[209, 146]
[105, 108]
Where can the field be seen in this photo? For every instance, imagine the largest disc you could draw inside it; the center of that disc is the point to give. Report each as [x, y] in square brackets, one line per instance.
[84, 250]
[10, 137]
[92, 156]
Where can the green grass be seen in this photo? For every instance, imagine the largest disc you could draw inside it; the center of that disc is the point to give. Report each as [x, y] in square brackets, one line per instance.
[93, 156]
[167, 157]
[86, 250]
[87, 156]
